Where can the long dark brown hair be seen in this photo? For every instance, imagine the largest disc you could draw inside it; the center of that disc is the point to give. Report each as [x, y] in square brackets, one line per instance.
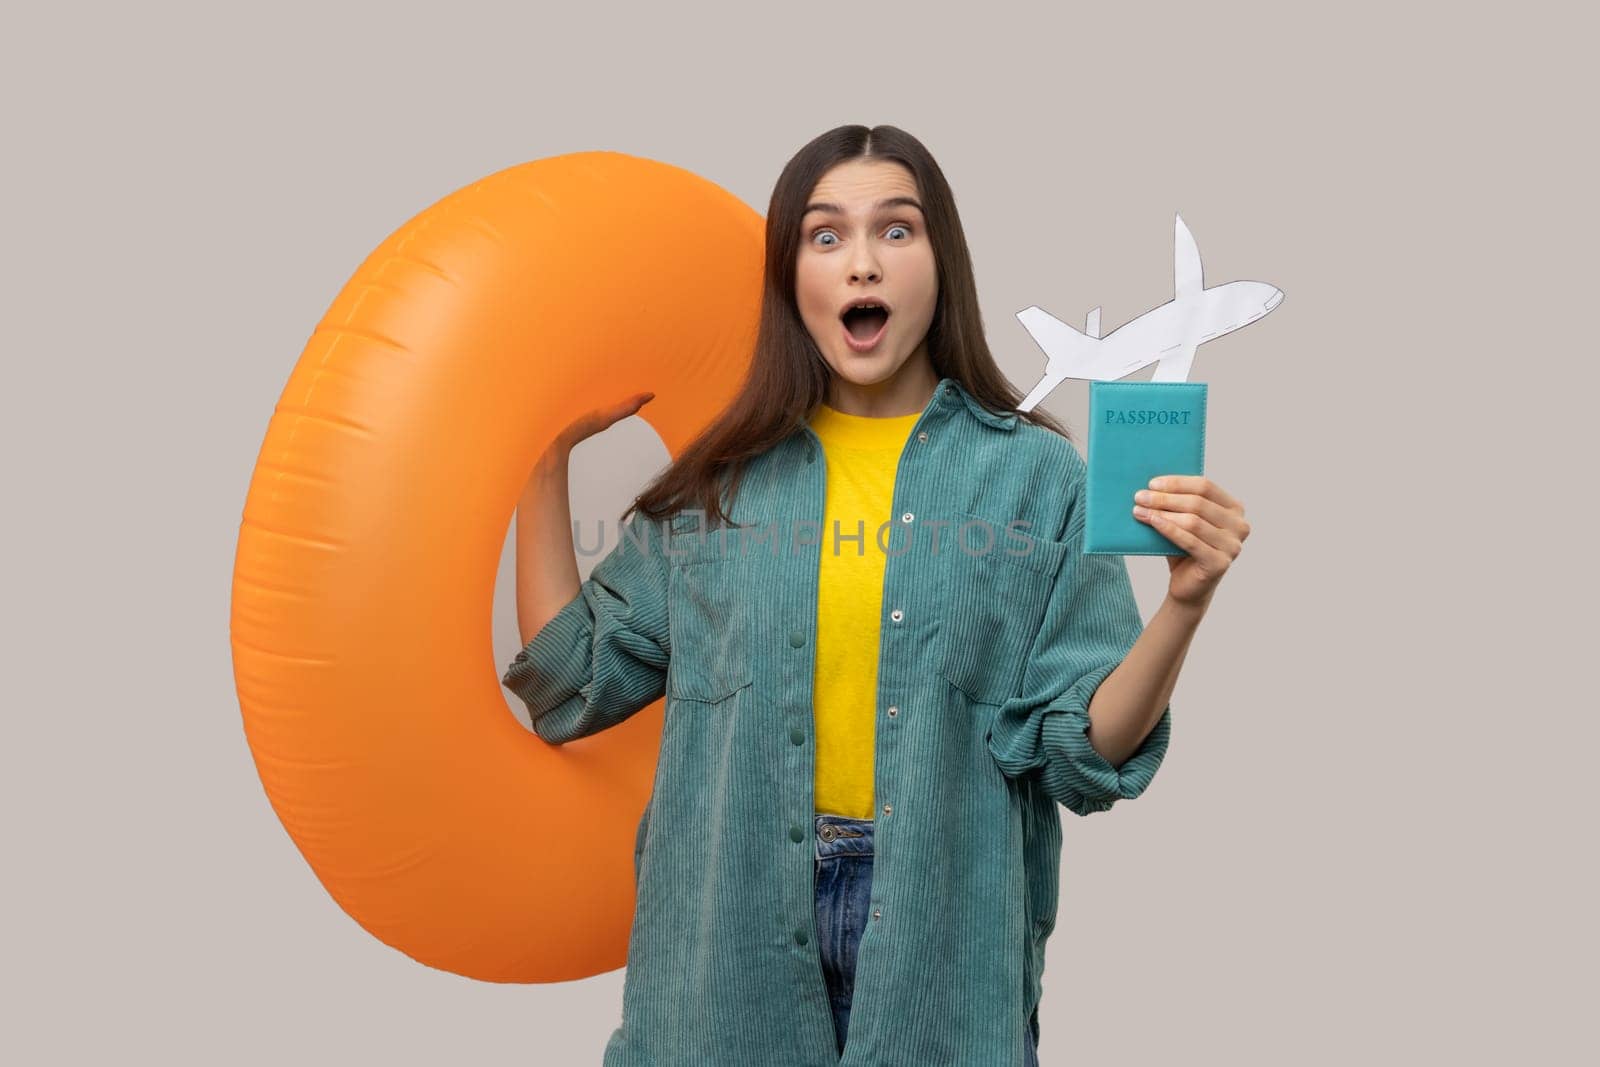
[788, 376]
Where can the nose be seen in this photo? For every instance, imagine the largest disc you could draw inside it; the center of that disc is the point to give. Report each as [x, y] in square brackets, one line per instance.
[864, 263]
[1274, 299]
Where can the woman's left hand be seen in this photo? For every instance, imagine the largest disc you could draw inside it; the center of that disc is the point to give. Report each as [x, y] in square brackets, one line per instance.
[1204, 520]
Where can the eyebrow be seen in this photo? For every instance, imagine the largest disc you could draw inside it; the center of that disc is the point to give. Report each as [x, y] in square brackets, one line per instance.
[880, 206]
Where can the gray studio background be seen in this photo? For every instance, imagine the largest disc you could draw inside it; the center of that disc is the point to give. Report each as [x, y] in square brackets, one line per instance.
[1363, 847]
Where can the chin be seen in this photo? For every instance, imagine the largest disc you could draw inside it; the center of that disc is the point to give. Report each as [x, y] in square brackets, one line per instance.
[871, 369]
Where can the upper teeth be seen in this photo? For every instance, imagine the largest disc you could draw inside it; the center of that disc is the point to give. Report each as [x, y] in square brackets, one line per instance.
[868, 304]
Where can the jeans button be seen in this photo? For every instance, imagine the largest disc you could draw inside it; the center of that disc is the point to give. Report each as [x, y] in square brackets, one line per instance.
[827, 833]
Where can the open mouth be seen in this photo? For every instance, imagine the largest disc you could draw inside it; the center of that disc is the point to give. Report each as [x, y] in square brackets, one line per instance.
[864, 326]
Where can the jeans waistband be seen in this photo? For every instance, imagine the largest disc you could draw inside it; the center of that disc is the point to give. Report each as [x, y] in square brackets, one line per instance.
[841, 835]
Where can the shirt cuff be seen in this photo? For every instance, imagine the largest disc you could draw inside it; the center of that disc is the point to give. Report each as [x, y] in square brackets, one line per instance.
[551, 670]
[1088, 777]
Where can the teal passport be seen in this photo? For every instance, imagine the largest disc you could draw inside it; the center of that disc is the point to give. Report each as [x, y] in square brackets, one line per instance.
[1138, 430]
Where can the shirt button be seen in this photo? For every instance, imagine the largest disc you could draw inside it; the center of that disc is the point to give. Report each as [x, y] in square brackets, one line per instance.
[897, 614]
[888, 809]
[796, 638]
[923, 436]
[796, 834]
[800, 937]
[797, 736]
[893, 711]
[877, 913]
[907, 517]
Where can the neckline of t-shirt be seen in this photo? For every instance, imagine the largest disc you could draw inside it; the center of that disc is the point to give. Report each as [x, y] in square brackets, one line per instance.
[861, 432]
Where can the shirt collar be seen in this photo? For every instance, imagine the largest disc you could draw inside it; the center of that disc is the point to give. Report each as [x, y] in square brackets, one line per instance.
[949, 387]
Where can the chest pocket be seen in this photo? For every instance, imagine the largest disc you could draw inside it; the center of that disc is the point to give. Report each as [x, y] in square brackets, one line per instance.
[994, 604]
[708, 616]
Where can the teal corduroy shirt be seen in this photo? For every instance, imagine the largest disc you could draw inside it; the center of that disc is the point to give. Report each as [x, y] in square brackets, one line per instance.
[996, 630]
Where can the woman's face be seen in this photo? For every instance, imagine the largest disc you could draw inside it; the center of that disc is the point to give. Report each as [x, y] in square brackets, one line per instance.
[859, 248]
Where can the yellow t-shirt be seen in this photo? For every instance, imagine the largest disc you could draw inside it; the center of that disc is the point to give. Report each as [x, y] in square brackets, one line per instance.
[862, 453]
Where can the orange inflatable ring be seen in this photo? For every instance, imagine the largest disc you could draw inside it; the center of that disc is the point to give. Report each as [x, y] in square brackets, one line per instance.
[377, 513]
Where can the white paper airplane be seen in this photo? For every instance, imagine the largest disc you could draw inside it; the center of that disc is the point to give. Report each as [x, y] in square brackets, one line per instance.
[1166, 336]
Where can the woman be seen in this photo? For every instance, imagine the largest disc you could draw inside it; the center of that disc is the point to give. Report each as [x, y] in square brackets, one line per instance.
[854, 827]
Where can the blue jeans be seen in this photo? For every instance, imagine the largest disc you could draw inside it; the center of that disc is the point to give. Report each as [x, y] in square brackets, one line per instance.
[844, 895]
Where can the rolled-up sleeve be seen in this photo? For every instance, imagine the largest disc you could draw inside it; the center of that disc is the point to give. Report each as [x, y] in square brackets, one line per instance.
[604, 655]
[1090, 623]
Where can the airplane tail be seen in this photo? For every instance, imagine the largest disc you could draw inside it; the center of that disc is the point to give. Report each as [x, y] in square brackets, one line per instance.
[1063, 344]
[1068, 353]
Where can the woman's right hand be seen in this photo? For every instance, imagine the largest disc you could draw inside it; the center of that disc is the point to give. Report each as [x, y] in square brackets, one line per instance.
[601, 418]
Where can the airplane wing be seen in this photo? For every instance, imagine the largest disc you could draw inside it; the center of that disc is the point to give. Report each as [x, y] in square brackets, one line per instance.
[1173, 365]
[1044, 388]
[1187, 278]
